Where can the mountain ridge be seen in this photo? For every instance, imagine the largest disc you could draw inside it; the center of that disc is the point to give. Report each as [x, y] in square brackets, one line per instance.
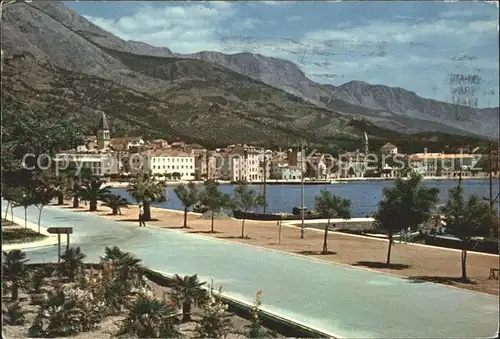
[410, 116]
[52, 60]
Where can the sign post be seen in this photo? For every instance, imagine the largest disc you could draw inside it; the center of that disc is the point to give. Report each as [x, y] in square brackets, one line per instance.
[58, 248]
[59, 231]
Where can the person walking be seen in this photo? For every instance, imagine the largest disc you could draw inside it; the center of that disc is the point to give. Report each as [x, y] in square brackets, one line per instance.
[401, 235]
[408, 233]
[141, 216]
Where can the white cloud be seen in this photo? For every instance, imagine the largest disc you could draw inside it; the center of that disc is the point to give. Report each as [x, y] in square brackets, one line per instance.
[293, 18]
[411, 54]
[248, 23]
[183, 29]
[275, 3]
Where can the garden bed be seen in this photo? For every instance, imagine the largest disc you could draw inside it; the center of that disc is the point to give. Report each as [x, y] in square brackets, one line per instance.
[18, 235]
[109, 325]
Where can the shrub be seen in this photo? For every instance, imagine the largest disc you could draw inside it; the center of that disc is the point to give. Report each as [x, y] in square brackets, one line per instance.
[13, 315]
[150, 317]
[37, 281]
[187, 291]
[255, 329]
[215, 322]
[67, 311]
[72, 262]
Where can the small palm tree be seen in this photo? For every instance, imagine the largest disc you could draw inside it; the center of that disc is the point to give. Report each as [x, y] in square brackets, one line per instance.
[92, 191]
[150, 318]
[128, 265]
[14, 270]
[75, 191]
[407, 204]
[245, 199]
[72, 261]
[144, 189]
[186, 291]
[112, 253]
[62, 187]
[115, 202]
[188, 195]
[14, 315]
[330, 206]
[215, 200]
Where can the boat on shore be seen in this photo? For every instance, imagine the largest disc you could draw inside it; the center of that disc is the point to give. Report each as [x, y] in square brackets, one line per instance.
[200, 208]
[295, 215]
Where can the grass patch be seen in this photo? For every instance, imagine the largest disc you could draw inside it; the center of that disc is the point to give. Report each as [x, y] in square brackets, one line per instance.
[20, 235]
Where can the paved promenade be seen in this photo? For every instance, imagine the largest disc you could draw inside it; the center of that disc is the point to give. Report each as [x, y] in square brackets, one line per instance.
[339, 300]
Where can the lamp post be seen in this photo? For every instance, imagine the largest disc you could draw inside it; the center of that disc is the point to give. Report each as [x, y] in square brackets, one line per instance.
[25, 205]
[302, 190]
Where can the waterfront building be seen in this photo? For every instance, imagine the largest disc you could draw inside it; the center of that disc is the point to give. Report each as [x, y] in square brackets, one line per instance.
[441, 164]
[243, 163]
[281, 170]
[353, 164]
[168, 163]
[95, 155]
[205, 163]
[98, 163]
[316, 167]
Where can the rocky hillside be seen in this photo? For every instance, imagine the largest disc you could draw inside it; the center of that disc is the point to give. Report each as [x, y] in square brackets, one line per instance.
[393, 108]
[53, 60]
[58, 61]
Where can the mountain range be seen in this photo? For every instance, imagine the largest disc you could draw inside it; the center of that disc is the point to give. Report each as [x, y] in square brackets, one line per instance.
[56, 59]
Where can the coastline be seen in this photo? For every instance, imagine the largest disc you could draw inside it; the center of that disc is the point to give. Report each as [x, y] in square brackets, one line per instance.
[340, 181]
[424, 262]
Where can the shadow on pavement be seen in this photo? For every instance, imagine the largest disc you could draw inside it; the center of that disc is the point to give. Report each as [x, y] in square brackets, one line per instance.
[440, 280]
[316, 253]
[377, 264]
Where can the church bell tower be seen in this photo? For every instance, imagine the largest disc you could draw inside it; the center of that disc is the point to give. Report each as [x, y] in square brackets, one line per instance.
[103, 134]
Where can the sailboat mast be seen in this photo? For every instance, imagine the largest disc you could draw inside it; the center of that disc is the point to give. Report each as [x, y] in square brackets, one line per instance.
[265, 183]
[302, 190]
[490, 174]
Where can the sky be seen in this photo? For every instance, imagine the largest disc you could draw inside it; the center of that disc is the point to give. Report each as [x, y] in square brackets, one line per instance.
[446, 51]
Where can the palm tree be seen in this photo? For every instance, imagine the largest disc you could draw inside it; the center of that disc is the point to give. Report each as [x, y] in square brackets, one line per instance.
[14, 270]
[466, 219]
[112, 253]
[215, 199]
[115, 202]
[92, 191]
[128, 265]
[245, 199]
[330, 206]
[72, 261]
[186, 291]
[150, 318]
[405, 205]
[62, 187]
[76, 183]
[188, 195]
[75, 191]
[144, 189]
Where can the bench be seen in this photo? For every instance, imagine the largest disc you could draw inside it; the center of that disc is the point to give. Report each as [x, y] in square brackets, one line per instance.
[492, 273]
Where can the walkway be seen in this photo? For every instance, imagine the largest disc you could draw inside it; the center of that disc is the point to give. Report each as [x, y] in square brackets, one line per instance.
[342, 301]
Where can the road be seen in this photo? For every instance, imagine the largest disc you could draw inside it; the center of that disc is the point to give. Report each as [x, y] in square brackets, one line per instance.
[340, 300]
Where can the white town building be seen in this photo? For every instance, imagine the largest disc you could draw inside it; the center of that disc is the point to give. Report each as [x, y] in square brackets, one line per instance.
[164, 162]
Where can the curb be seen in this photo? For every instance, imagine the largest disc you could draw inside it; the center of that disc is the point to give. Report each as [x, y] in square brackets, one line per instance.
[50, 240]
